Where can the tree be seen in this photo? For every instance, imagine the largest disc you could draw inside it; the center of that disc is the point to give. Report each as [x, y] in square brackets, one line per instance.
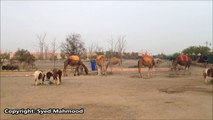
[46, 49]
[73, 45]
[41, 39]
[111, 49]
[203, 50]
[31, 60]
[3, 57]
[24, 56]
[63, 56]
[120, 46]
[91, 50]
[53, 51]
[116, 48]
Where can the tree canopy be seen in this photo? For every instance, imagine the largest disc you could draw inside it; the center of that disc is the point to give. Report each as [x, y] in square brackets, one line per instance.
[73, 45]
[23, 55]
[203, 50]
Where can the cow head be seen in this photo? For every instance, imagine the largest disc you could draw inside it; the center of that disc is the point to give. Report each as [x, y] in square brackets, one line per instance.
[49, 75]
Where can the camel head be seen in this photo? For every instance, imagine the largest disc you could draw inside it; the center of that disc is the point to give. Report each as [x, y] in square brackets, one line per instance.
[174, 65]
[158, 61]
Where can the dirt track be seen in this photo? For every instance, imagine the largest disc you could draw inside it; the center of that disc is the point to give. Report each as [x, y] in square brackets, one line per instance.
[166, 95]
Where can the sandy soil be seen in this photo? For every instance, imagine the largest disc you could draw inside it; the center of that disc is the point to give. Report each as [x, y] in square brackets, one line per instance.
[121, 95]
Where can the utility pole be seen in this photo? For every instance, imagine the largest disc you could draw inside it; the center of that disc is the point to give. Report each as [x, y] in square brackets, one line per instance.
[206, 43]
[212, 45]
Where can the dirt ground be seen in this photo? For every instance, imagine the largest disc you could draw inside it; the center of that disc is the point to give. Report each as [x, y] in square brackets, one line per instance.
[121, 95]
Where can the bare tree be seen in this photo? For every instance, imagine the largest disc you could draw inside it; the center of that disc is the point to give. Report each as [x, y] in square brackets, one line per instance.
[121, 46]
[54, 47]
[91, 50]
[95, 49]
[41, 39]
[111, 48]
[46, 49]
[116, 48]
[98, 50]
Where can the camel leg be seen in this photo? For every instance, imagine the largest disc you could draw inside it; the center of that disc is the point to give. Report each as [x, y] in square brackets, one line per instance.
[148, 72]
[65, 72]
[139, 68]
[111, 68]
[99, 70]
[121, 66]
[77, 69]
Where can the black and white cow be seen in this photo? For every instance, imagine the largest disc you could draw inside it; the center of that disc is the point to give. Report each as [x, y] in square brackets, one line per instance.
[39, 77]
[208, 72]
[56, 74]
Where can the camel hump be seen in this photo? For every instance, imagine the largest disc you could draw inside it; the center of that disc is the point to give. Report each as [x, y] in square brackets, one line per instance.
[183, 58]
[74, 57]
[147, 58]
[99, 57]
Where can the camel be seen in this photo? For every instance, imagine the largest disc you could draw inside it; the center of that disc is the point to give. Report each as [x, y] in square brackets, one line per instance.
[146, 61]
[113, 61]
[101, 64]
[183, 60]
[74, 61]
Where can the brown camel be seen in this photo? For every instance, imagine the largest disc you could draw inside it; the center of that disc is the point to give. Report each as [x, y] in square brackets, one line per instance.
[146, 61]
[113, 61]
[101, 64]
[183, 60]
[74, 61]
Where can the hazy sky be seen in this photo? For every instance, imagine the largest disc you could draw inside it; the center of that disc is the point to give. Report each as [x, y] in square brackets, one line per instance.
[153, 26]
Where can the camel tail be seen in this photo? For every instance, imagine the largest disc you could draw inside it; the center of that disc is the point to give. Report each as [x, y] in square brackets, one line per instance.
[85, 68]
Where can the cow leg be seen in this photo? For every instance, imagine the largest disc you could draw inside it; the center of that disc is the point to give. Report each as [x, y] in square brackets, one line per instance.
[53, 81]
[206, 80]
[58, 82]
[39, 82]
[36, 82]
[59, 77]
[42, 81]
